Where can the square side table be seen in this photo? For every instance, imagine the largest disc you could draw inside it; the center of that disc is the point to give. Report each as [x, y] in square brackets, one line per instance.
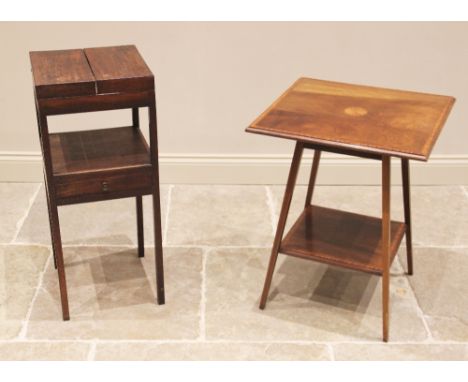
[95, 165]
[361, 121]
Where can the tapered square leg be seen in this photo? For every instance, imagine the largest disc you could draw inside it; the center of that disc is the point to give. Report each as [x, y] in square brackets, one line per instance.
[296, 161]
[139, 201]
[407, 204]
[57, 248]
[53, 217]
[156, 207]
[140, 234]
[385, 247]
[50, 219]
[313, 177]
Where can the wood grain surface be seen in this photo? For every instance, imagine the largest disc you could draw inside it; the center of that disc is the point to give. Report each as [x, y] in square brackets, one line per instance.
[340, 238]
[90, 71]
[367, 119]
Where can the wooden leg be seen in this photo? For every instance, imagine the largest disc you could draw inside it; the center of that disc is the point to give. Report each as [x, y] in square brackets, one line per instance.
[57, 247]
[407, 203]
[156, 208]
[139, 213]
[313, 177]
[296, 161]
[385, 244]
[50, 219]
[53, 213]
[139, 201]
[135, 117]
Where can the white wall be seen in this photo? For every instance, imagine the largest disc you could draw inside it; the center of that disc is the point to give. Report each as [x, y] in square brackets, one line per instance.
[213, 79]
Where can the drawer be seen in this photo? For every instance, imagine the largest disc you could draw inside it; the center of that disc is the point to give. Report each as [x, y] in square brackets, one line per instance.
[103, 185]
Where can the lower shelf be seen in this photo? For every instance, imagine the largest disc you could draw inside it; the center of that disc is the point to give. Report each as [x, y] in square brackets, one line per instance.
[103, 164]
[341, 238]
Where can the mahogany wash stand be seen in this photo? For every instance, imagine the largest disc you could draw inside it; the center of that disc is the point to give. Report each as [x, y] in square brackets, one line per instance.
[96, 165]
[360, 121]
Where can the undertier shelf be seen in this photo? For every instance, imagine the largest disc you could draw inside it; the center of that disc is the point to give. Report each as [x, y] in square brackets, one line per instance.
[97, 150]
[341, 238]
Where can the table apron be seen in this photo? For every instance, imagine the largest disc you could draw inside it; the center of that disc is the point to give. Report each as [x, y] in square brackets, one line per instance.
[343, 151]
[101, 102]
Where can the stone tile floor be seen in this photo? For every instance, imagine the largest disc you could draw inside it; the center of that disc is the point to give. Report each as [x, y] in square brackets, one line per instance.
[217, 241]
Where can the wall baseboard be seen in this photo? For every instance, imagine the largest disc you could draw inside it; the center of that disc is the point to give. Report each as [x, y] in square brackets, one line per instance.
[263, 169]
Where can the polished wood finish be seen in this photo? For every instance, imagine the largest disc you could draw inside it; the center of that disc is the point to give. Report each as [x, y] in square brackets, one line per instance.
[93, 150]
[118, 67]
[140, 231]
[386, 246]
[104, 185]
[313, 177]
[407, 206]
[139, 199]
[288, 194]
[368, 119]
[156, 203]
[64, 72]
[340, 238]
[100, 102]
[361, 121]
[90, 71]
[53, 215]
[95, 165]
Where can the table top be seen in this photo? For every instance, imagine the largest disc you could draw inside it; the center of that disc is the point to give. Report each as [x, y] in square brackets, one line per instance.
[91, 71]
[361, 118]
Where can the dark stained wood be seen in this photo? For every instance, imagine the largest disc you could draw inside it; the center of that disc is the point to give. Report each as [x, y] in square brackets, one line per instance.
[313, 177]
[368, 119]
[288, 194]
[140, 231]
[340, 238]
[91, 71]
[88, 198]
[62, 72]
[53, 216]
[50, 219]
[98, 150]
[104, 184]
[388, 248]
[101, 102]
[95, 165]
[407, 206]
[38, 120]
[156, 203]
[139, 199]
[119, 67]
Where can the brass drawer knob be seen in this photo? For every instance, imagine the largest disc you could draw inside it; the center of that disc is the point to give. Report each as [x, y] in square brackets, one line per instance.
[105, 186]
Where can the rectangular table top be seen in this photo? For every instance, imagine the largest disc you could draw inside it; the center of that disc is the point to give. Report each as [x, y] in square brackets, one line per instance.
[361, 118]
[91, 71]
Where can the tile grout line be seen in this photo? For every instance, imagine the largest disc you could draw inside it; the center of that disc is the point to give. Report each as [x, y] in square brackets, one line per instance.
[331, 352]
[233, 341]
[202, 336]
[85, 245]
[271, 208]
[461, 246]
[20, 223]
[201, 246]
[166, 220]
[92, 351]
[146, 246]
[18, 244]
[40, 282]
